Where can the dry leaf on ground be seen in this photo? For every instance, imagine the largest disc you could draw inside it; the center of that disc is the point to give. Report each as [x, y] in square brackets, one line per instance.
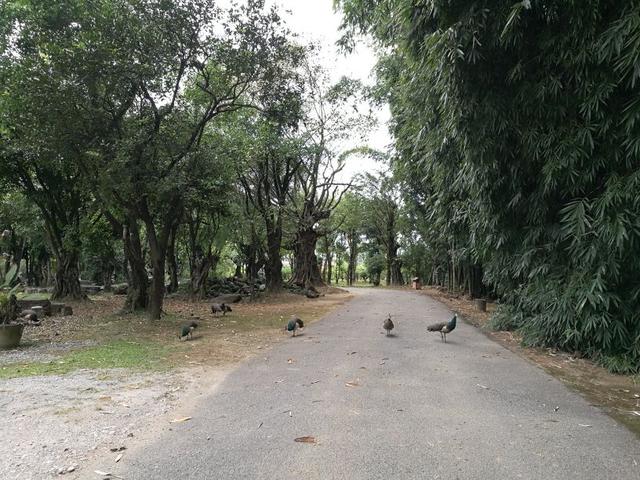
[306, 440]
[180, 420]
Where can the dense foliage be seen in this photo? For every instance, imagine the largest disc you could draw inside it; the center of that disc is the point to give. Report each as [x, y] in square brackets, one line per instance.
[517, 136]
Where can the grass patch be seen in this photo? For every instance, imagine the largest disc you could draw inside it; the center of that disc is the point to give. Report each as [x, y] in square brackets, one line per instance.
[116, 354]
[34, 296]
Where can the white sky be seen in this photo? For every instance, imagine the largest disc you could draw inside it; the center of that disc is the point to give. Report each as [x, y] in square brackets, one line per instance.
[315, 20]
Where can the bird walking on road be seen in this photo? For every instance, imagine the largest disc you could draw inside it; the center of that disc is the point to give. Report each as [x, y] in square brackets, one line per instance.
[444, 327]
[388, 325]
[294, 325]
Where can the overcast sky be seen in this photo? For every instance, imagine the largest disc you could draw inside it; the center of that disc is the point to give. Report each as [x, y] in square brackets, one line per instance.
[315, 20]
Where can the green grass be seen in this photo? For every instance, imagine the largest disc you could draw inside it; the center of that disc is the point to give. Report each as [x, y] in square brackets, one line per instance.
[34, 296]
[116, 354]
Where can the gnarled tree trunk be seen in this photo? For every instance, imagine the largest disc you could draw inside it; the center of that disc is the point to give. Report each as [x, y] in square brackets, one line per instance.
[67, 276]
[307, 271]
[201, 265]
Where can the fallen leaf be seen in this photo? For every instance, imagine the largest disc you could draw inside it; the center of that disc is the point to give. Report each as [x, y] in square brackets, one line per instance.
[585, 425]
[352, 384]
[259, 426]
[118, 449]
[305, 440]
[482, 386]
[180, 420]
[290, 360]
[119, 457]
[108, 474]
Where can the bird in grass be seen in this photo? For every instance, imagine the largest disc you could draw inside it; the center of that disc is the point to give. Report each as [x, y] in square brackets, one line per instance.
[444, 327]
[388, 325]
[294, 325]
[186, 332]
[220, 307]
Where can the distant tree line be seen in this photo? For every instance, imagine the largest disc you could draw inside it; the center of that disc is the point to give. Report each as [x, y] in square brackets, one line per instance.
[153, 141]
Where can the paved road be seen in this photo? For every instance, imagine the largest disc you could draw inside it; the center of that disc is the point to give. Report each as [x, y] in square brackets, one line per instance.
[420, 410]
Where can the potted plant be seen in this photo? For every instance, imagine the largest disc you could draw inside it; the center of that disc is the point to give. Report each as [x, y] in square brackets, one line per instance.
[10, 327]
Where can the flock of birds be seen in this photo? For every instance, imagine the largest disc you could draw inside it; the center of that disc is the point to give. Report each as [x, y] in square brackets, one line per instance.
[442, 327]
[295, 324]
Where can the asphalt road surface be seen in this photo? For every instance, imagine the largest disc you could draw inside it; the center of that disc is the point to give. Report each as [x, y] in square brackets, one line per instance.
[400, 407]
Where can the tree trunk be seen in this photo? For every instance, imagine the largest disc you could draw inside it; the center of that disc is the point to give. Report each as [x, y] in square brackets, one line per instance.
[353, 258]
[172, 262]
[107, 277]
[158, 254]
[307, 271]
[329, 267]
[138, 288]
[396, 272]
[158, 241]
[201, 266]
[273, 264]
[252, 263]
[67, 277]
[394, 265]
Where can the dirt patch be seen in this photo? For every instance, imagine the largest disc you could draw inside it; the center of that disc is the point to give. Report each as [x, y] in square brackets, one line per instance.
[618, 395]
[218, 340]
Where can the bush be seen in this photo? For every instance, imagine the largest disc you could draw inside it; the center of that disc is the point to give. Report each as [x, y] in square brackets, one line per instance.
[506, 318]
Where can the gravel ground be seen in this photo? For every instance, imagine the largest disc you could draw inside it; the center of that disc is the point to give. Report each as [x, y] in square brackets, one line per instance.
[44, 352]
[56, 424]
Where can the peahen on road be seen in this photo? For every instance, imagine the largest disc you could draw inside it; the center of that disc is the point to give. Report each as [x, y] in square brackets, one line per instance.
[388, 325]
[294, 325]
[444, 327]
